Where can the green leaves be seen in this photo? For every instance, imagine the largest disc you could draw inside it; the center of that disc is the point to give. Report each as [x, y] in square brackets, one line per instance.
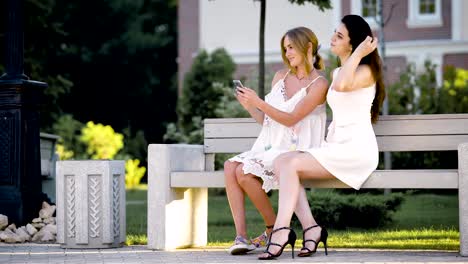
[204, 88]
[418, 92]
[354, 210]
[321, 4]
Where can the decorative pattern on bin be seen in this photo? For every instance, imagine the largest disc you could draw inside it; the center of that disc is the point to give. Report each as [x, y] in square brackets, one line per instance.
[94, 206]
[116, 204]
[71, 214]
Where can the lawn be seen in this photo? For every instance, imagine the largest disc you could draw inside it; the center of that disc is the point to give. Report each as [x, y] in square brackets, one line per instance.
[425, 221]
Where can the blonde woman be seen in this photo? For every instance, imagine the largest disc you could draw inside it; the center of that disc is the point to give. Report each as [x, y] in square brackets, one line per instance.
[296, 122]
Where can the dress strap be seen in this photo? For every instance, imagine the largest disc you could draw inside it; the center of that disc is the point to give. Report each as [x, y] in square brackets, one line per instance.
[313, 81]
[286, 74]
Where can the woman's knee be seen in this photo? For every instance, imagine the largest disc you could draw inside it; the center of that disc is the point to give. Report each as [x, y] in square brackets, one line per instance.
[283, 161]
[230, 169]
[242, 178]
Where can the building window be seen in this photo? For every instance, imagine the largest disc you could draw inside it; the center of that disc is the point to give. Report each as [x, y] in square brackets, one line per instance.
[369, 8]
[427, 7]
[424, 13]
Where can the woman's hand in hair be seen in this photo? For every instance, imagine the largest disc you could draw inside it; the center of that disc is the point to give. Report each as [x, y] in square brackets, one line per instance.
[367, 46]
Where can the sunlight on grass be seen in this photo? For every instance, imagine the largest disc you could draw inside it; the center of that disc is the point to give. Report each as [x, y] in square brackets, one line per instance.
[400, 239]
[136, 240]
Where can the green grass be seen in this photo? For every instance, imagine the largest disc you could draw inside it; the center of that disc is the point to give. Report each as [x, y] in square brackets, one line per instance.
[427, 211]
[425, 221]
[136, 215]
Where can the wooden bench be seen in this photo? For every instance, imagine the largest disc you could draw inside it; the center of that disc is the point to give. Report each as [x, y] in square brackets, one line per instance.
[179, 175]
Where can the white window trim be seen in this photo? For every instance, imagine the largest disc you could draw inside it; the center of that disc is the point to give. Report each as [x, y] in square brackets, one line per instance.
[356, 9]
[417, 20]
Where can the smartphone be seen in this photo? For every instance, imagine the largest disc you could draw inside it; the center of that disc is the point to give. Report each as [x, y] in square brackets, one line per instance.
[237, 83]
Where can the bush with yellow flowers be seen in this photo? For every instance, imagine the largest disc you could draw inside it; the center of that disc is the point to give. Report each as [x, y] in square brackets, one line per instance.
[102, 141]
[97, 141]
[134, 173]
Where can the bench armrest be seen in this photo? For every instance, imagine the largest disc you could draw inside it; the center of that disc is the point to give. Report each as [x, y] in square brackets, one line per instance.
[169, 209]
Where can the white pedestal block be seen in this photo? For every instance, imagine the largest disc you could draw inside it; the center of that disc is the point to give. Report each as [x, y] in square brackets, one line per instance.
[91, 203]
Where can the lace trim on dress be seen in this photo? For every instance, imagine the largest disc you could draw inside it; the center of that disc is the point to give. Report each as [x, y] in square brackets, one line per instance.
[258, 168]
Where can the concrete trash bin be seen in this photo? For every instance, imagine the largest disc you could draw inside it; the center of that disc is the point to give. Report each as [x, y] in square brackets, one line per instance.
[90, 198]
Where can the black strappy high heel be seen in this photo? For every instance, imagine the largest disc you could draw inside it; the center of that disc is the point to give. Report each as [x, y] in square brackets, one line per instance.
[323, 239]
[291, 240]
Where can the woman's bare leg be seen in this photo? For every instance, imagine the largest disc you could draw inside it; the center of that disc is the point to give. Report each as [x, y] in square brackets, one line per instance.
[235, 196]
[253, 187]
[304, 214]
[291, 169]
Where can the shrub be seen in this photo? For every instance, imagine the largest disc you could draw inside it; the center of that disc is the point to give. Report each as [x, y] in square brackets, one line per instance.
[353, 210]
[102, 141]
[69, 144]
[133, 173]
[204, 86]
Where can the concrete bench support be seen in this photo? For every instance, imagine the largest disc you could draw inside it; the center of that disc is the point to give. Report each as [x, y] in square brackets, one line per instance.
[91, 203]
[177, 217]
[463, 197]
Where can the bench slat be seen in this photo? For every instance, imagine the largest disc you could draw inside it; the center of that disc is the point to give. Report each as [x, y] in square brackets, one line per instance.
[420, 143]
[386, 143]
[395, 179]
[387, 126]
[382, 117]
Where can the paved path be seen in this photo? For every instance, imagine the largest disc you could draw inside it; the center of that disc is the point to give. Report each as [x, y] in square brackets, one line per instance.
[52, 253]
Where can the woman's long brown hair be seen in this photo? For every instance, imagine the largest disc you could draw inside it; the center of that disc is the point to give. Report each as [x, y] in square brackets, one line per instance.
[358, 30]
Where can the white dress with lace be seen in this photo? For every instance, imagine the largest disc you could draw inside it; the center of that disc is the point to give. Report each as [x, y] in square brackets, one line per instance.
[275, 138]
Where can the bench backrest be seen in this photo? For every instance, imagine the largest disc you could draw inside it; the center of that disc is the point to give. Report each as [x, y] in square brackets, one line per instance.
[394, 133]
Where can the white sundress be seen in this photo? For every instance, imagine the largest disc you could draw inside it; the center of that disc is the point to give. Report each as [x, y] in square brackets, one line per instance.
[275, 138]
[350, 151]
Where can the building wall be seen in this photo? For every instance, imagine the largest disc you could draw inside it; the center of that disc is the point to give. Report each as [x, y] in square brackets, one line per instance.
[394, 67]
[397, 28]
[459, 60]
[234, 25]
[188, 36]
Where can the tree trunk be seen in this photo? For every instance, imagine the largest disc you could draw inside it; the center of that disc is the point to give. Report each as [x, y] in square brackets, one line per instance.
[261, 62]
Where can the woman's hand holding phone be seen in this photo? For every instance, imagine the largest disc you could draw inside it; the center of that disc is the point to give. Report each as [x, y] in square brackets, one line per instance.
[237, 84]
[246, 96]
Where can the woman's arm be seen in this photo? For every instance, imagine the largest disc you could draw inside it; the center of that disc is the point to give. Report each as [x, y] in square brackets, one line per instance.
[315, 96]
[254, 112]
[353, 76]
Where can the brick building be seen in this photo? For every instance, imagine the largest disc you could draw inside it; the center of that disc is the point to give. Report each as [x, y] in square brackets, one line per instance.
[417, 30]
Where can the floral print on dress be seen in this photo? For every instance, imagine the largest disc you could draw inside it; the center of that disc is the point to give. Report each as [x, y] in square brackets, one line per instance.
[266, 126]
[294, 132]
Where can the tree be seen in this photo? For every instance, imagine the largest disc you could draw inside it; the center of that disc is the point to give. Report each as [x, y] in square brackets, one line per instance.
[111, 62]
[201, 94]
[321, 4]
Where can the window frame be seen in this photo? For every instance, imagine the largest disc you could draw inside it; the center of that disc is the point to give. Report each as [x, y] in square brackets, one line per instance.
[418, 20]
[356, 8]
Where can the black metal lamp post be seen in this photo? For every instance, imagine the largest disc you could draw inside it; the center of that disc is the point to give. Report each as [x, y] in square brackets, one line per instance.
[20, 174]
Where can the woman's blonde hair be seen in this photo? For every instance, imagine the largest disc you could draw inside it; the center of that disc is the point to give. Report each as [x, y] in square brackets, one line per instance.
[300, 38]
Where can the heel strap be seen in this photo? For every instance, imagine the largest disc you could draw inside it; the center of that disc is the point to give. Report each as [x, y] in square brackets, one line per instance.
[281, 228]
[309, 228]
[307, 240]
